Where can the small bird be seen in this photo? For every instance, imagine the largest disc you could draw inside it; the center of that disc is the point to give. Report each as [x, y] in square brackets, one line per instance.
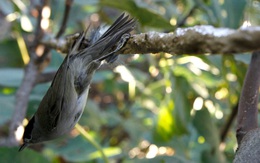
[64, 102]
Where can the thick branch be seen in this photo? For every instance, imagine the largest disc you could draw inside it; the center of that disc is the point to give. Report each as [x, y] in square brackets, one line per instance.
[21, 103]
[196, 40]
[247, 108]
[193, 40]
[38, 34]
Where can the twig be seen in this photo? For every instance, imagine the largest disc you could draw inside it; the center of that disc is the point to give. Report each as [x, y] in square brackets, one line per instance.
[38, 34]
[63, 26]
[228, 123]
[247, 109]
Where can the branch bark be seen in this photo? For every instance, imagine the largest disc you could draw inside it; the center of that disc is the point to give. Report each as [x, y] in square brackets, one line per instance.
[28, 82]
[21, 103]
[192, 40]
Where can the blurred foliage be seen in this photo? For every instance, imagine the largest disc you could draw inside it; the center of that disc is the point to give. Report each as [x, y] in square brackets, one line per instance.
[150, 108]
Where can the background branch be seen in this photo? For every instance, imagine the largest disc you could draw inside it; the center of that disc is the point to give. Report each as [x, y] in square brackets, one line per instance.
[23, 93]
[63, 26]
[228, 123]
[65, 18]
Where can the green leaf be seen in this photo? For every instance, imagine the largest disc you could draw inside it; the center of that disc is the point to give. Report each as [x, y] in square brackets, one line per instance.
[161, 159]
[205, 78]
[11, 77]
[79, 150]
[173, 119]
[100, 76]
[12, 155]
[145, 16]
[6, 108]
[164, 128]
[10, 54]
[208, 130]
[235, 12]
[245, 58]
[56, 60]
[182, 107]
[134, 129]
[92, 116]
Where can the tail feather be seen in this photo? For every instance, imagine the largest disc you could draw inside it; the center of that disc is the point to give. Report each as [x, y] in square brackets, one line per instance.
[110, 38]
[122, 21]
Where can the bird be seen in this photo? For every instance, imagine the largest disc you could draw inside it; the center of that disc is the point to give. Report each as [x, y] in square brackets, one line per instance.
[64, 102]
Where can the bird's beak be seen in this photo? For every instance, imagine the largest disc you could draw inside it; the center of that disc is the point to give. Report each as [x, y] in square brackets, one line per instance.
[23, 146]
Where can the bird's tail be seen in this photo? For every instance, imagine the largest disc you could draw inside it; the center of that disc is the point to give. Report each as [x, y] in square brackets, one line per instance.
[111, 41]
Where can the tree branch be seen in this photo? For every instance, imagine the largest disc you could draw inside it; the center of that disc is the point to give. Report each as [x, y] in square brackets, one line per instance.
[196, 40]
[192, 40]
[228, 123]
[23, 93]
[38, 34]
[247, 108]
[21, 103]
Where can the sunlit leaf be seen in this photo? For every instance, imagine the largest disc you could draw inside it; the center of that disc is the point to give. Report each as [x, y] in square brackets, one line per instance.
[26, 23]
[164, 130]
